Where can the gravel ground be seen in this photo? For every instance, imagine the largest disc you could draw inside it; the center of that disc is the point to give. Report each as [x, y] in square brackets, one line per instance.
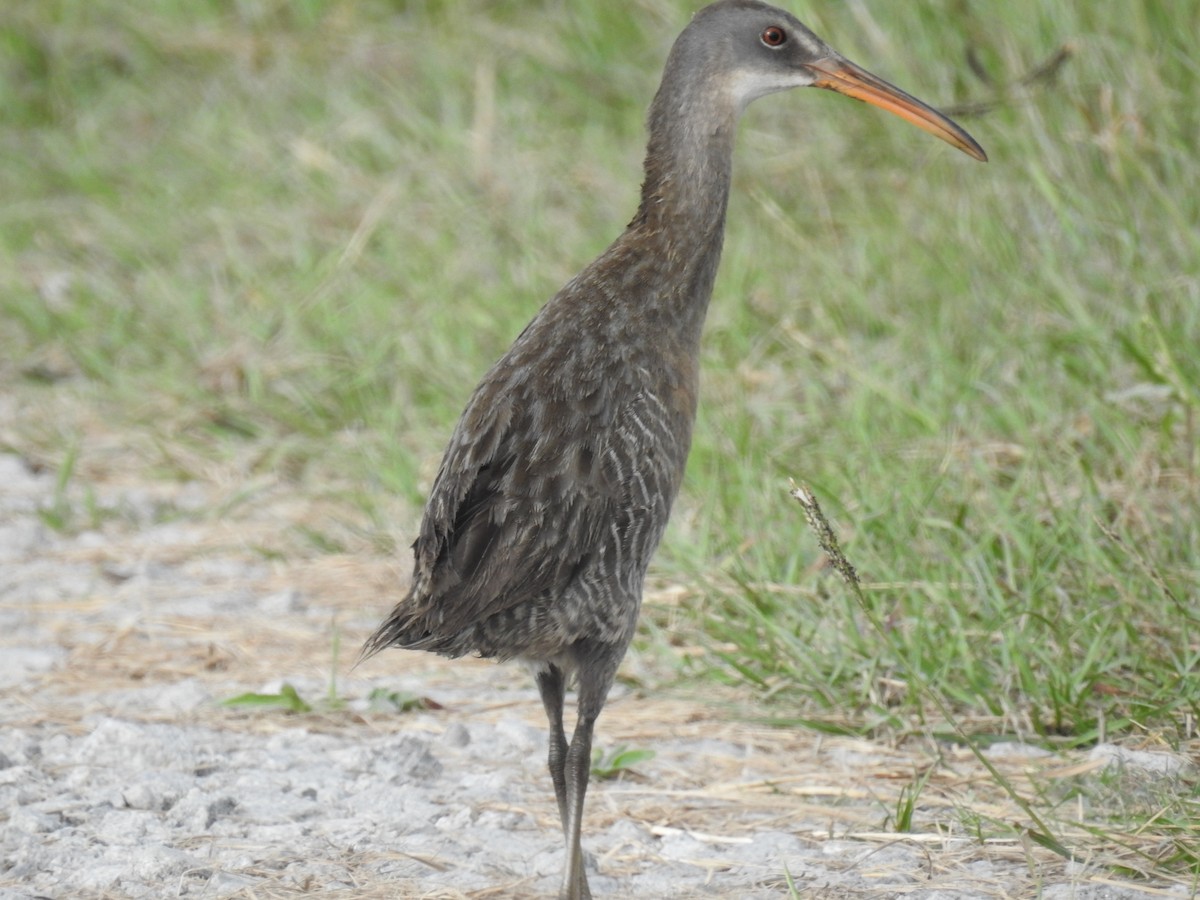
[122, 776]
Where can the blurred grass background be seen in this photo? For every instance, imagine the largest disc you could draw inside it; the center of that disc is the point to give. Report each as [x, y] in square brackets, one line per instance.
[290, 236]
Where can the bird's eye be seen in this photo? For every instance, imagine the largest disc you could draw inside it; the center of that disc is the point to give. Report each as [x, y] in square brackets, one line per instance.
[774, 36]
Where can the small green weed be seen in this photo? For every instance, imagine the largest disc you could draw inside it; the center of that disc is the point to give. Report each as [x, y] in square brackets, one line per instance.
[287, 698]
[617, 761]
[906, 803]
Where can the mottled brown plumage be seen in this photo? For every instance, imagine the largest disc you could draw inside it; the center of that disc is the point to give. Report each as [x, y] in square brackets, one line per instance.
[560, 475]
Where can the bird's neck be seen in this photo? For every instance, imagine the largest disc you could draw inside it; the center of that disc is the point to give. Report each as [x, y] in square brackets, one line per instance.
[689, 158]
[681, 219]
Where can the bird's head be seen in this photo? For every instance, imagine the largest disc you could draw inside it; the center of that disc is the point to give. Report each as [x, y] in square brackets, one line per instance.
[750, 49]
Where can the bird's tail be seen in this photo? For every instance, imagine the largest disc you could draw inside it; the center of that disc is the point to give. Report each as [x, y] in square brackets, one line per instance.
[403, 627]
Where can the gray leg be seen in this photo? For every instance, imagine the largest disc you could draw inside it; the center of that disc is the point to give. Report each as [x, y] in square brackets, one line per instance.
[551, 685]
[578, 769]
[597, 667]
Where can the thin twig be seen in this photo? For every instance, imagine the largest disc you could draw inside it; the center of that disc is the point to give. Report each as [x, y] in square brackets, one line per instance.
[1045, 71]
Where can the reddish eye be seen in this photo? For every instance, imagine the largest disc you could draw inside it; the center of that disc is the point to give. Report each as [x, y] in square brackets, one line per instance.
[774, 36]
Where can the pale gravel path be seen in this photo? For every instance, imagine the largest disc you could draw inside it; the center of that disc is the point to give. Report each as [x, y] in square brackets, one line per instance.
[121, 777]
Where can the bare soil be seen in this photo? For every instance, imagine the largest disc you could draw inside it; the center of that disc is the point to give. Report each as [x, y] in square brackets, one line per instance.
[122, 775]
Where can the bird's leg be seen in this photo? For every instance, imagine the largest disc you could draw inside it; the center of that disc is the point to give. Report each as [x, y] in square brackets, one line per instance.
[569, 766]
[597, 668]
[577, 771]
[551, 684]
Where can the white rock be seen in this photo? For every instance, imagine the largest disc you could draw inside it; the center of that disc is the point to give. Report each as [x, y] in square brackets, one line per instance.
[1148, 761]
[1015, 750]
[183, 696]
[140, 796]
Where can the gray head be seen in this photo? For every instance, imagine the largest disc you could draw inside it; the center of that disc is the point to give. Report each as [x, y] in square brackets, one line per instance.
[745, 49]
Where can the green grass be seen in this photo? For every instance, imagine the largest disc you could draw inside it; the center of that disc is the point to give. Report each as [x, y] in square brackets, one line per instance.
[295, 234]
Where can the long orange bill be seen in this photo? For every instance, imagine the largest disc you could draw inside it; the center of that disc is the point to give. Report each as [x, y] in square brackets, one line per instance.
[843, 76]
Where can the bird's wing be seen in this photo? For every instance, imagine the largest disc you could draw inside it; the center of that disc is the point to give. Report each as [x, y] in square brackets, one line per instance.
[514, 512]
